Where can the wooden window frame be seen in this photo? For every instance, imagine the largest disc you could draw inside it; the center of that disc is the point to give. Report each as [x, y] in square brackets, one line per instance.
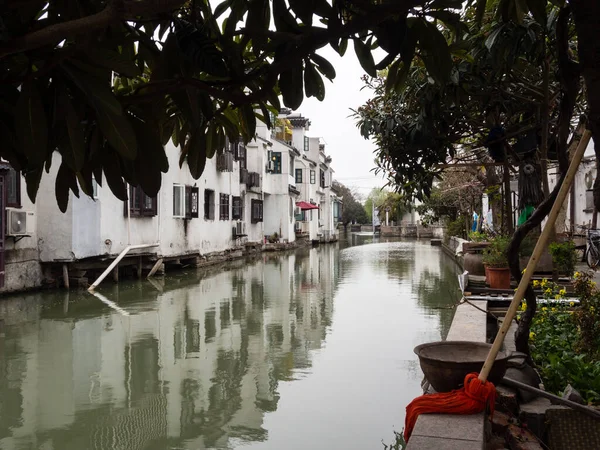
[236, 208]
[224, 206]
[17, 176]
[256, 213]
[209, 204]
[143, 210]
[298, 176]
[276, 157]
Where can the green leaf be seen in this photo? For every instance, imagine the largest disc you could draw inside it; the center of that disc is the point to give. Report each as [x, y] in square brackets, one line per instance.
[118, 132]
[32, 180]
[434, 51]
[291, 85]
[96, 90]
[31, 125]
[325, 67]
[365, 57]
[343, 46]
[491, 39]
[259, 17]
[199, 49]
[248, 119]
[114, 61]
[538, 10]
[266, 117]
[112, 173]
[304, 10]
[62, 185]
[195, 150]
[284, 21]
[221, 8]
[148, 138]
[8, 146]
[313, 83]
[76, 136]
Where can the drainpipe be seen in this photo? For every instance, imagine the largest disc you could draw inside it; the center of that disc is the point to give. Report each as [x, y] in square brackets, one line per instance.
[129, 217]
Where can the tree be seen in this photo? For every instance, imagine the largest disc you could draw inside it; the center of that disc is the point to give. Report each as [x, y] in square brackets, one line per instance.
[352, 209]
[502, 94]
[107, 83]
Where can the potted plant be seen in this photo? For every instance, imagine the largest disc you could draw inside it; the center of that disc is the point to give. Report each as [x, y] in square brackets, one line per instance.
[496, 263]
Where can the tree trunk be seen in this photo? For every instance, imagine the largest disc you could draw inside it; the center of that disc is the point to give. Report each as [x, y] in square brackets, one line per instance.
[586, 13]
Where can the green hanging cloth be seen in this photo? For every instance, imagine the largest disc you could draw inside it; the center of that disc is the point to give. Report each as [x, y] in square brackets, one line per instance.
[525, 214]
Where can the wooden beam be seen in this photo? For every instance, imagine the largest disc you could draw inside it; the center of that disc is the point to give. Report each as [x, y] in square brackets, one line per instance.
[65, 275]
[155, 268]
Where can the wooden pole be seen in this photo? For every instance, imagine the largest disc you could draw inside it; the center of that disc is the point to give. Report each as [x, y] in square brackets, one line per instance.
[537, 252]
[66, 275]
[155, 268]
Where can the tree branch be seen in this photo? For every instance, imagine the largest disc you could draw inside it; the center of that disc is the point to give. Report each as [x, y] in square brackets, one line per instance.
[115, 11]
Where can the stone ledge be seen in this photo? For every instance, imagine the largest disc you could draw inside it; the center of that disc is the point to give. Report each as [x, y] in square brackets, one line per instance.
[450, 431]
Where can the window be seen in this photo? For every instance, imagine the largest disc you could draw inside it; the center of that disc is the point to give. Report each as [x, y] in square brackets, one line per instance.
[185, 201]
[236, 208]
[209, 204]
[298, 175]
[242, 156]
[322, 184]
[140, 205]
[224, 207]
[275, 162]
[257, 211]
[13, 188]
[589, 200]
[291, 164]
[178, 200]
[313, 177]
[305, 143]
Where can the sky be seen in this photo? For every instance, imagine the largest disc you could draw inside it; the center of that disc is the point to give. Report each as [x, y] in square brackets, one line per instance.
[353, 158]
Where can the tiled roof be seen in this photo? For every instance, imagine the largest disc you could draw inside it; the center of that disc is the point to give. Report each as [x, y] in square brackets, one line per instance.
[299, 121]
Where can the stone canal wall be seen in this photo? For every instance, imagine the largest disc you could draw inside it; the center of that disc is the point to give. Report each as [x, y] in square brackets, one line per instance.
[413, 230]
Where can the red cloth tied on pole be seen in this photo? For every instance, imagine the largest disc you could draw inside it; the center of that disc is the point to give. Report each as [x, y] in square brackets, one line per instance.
[470, 399]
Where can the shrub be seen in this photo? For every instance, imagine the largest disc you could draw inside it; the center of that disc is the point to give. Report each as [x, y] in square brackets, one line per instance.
[564, 344]
[495, 255]
[564, 257]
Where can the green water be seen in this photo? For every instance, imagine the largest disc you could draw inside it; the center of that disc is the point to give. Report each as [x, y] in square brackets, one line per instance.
[310, 350]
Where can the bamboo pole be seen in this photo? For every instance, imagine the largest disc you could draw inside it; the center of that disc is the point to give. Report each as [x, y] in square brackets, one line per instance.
[537, 252]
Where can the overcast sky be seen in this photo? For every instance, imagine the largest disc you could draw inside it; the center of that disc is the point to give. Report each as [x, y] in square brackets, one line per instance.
[352, 154]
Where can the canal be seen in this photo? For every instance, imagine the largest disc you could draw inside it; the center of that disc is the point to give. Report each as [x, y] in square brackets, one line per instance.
[308, 350]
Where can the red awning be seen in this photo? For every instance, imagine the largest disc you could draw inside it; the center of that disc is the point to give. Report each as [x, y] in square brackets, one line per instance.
[305, 205]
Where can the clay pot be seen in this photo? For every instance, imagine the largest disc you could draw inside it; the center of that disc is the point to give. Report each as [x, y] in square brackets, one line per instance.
[498, 277]
[473, 263]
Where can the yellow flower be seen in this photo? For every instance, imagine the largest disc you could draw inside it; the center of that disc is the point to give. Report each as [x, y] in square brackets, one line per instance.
[531, 335]
[548, 291]
[544, 283]
[592, 309]
[557, 297]
[571, 304]
[553, 309]
[544, 309]
[523, 271]
[576, 275]
[536, 283]
[563, 292]
[523, 306]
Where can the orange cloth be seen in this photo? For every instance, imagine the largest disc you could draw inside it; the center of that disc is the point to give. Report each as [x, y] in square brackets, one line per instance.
[470, 399]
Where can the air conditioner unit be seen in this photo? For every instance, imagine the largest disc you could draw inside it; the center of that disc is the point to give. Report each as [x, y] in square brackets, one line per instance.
[19, 222]
[240, 228]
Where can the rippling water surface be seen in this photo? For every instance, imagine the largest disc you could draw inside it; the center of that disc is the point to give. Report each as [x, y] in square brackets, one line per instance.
[310, 350]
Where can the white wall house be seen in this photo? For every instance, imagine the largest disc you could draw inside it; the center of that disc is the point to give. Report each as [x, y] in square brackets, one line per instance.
[19, 257]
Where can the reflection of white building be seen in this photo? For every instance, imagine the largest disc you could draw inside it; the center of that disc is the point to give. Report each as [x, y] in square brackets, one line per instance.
[196, 364]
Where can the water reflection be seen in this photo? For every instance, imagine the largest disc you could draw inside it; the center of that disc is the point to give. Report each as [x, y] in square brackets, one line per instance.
[247, 355]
